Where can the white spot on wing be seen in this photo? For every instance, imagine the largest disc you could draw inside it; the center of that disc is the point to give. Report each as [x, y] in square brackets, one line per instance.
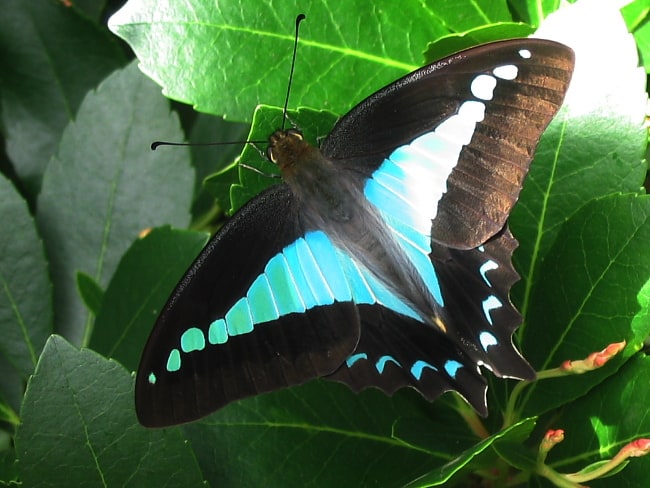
[506, 72]
[483, 87]
[487, 339]
[489, 304]
[472, 110]
[525, 53]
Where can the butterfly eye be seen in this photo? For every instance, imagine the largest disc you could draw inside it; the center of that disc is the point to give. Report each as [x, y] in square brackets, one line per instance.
[294, 133]
[269, 153]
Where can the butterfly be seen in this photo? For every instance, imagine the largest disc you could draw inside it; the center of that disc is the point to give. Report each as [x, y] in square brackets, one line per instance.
[382, 260]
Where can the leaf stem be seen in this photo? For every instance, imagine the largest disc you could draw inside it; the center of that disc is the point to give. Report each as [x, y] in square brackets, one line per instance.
[471, 418]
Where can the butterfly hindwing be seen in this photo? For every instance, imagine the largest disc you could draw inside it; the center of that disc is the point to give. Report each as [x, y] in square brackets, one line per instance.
[395, 351]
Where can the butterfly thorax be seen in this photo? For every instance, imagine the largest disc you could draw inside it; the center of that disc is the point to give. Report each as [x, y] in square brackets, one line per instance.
[330, 198]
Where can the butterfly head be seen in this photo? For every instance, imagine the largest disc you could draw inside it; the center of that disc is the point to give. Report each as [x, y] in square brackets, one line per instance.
[288, 147]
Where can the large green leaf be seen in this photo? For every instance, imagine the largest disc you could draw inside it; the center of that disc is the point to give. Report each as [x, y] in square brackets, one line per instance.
[201, 52]
[50, 57]
[322, 434]
[595, 146]
[453, 43]
[79, 428]
[592, 291]
[637, 14]
[105, 185]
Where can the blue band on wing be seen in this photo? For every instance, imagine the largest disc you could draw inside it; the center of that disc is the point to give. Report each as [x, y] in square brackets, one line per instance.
[408, 185]
[308, 273]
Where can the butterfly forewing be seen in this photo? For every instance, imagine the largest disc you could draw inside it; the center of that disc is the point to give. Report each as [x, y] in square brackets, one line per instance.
[520, 83]
[191, 366]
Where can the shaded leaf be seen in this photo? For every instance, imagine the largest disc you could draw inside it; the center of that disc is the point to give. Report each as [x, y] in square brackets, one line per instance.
[208, 160]
[320, 434]
[90, 291]
[149, 270]
[518, 432]
[51, 56]
[86, 432]
[12, 389]
[8, 465]
[25, 291]
[91, 8]
[105, 185]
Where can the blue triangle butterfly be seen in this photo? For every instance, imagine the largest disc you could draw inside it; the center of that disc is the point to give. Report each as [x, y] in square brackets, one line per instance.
[383, 260]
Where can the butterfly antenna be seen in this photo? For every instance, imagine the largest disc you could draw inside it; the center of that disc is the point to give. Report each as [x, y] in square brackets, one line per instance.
[299, 19]
[156, 144]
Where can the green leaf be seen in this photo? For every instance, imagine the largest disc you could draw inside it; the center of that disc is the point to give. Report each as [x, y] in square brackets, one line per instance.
[90, 292]
[637, 16]
[486, 33]
[79, 428]
[150, 270]
[90, 8]
[460, 15]
[593, 148]
[598, 425]
[218, 39]
[50, 56]
[592, 291]
[105, 185]
[208, 160]
[516, 455]
[533, 12]
[520, 431]
[12, 389]
[591, 468]
[320, 434]
[26, 291]
[8, 415]
[8, 465]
